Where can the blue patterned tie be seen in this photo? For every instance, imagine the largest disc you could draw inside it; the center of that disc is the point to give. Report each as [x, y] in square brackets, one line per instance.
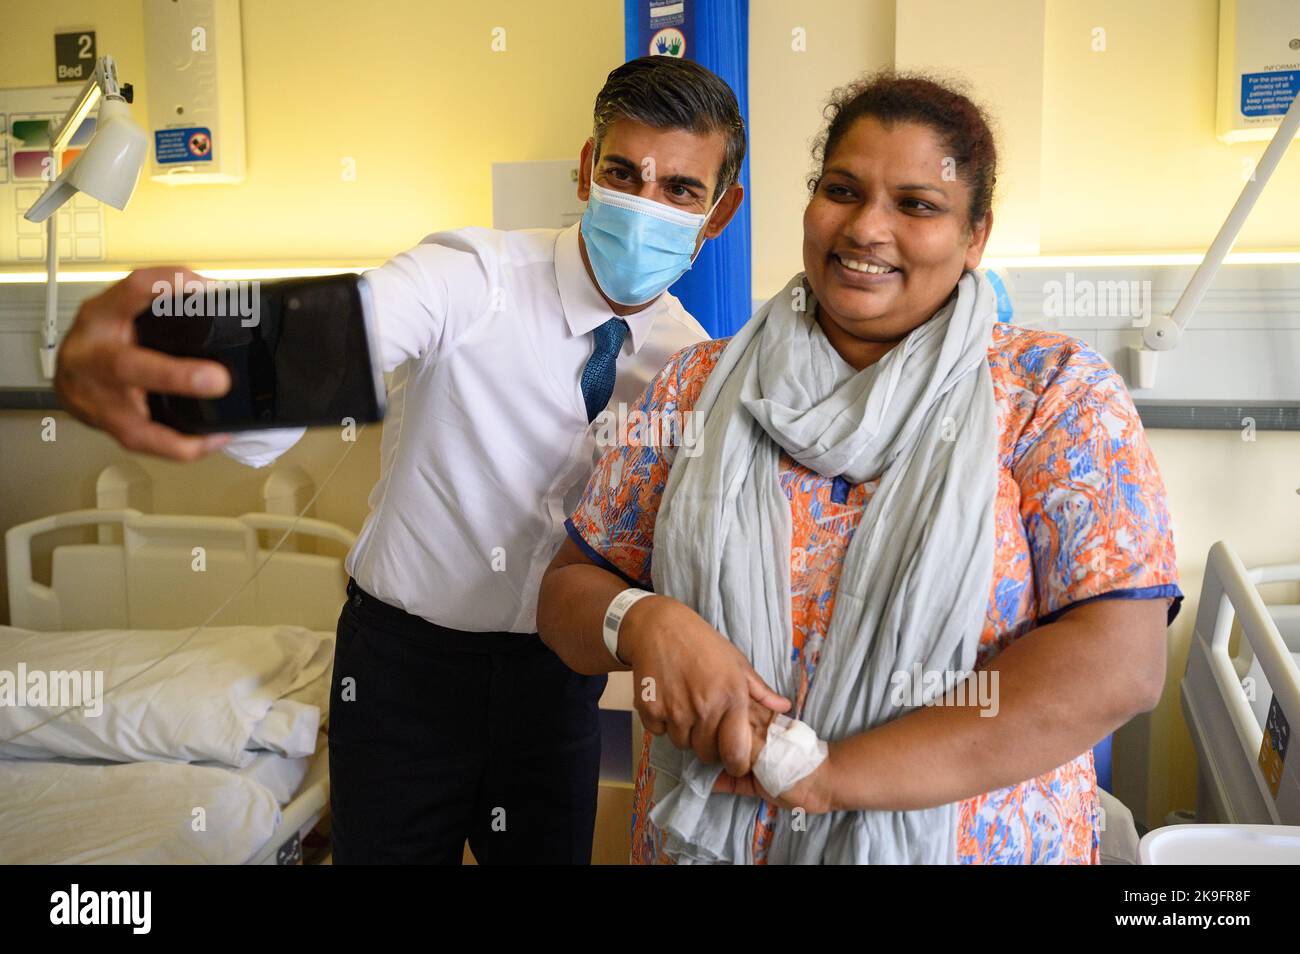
[598, 375]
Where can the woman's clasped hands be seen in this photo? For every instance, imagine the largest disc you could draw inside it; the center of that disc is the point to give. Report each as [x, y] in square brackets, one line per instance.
[691, 684]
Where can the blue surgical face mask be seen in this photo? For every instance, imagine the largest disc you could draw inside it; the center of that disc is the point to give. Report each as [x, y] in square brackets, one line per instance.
[637, 247]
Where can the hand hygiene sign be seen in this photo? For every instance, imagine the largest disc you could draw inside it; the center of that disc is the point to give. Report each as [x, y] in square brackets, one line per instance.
[658, 27]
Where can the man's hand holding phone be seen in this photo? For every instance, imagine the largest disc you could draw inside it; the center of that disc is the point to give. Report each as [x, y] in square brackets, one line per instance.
[169, 363]
[103, 376]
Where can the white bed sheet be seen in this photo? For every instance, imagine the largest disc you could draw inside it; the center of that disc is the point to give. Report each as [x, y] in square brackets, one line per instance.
[60, 812]
[229, 690]
[280, 775]
[85, 811]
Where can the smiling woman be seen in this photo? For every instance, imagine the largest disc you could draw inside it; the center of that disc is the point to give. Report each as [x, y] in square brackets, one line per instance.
[912, 489]
[899, 208]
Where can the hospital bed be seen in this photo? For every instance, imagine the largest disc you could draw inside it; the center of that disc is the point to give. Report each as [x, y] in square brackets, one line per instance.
[1241, 704]
[138, 574]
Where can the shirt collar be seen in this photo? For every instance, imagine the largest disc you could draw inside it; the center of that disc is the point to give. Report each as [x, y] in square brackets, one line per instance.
[584, 308]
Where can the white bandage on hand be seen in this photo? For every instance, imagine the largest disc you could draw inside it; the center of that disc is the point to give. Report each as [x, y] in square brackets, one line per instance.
[791, 754]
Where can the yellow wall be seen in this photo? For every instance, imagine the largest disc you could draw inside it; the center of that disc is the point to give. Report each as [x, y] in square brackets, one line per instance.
[325, 79]
[787, 89]
[954, 38]
[1130, 162]
[1124, 157]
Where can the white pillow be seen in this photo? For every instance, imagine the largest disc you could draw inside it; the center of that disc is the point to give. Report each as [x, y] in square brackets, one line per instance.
[316, 692]
[204, 702]
[282, 777]
[289, 729]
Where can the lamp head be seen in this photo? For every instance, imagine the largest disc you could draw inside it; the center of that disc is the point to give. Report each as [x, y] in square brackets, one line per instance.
[107, 168]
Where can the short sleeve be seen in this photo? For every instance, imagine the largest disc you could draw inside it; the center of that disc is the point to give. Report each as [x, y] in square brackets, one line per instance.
[614, 521]
[1092, 499]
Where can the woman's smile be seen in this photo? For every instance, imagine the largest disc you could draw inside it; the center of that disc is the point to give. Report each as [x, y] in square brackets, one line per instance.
[858, 270]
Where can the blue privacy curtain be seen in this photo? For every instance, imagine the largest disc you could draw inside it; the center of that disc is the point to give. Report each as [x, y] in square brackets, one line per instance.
[714, 33]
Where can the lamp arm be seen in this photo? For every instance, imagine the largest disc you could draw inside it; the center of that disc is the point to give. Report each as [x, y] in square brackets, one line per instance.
[1163, 332]
[1222, 244]
[50, 343]
[102, 82]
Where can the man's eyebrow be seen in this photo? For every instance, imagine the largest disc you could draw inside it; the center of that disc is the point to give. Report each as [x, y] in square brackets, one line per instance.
[688, 181]
[621, 161]
[681, 180]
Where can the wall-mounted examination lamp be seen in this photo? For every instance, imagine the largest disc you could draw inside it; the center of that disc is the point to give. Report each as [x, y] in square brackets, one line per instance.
[1163, 333]
[106, 169]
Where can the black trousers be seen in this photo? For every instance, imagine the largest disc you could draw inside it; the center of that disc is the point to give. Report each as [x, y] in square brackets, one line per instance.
[437, 736]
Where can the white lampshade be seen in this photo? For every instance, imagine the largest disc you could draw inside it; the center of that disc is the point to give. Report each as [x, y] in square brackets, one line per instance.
[107, 168]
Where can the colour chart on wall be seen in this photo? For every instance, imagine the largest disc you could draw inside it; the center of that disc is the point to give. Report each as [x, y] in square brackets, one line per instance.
[26, 116]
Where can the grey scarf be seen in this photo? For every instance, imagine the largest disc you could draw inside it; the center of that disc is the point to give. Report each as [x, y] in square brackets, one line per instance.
[915, 582]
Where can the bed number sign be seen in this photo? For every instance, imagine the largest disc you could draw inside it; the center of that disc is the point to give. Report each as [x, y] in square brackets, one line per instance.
[74, 56]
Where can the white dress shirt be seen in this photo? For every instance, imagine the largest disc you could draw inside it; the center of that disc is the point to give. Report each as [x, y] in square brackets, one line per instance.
[486, 445]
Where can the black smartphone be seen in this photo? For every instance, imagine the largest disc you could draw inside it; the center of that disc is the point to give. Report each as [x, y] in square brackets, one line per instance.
[300, 351]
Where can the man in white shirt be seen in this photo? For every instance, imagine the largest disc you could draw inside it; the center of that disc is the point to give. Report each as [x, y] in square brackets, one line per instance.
[457, 723]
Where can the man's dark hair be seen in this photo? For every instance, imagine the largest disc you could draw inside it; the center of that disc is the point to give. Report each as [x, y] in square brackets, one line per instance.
[671, 93]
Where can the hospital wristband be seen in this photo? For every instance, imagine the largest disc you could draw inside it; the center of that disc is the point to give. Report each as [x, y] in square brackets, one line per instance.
[614, 614]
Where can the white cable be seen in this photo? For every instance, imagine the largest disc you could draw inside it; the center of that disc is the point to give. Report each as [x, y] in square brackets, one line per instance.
[226, 602]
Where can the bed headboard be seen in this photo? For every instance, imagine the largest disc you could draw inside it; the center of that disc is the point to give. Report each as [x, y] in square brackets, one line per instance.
[151, 576]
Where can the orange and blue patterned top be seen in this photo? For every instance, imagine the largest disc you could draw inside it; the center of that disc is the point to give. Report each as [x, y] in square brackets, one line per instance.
[1081, 515]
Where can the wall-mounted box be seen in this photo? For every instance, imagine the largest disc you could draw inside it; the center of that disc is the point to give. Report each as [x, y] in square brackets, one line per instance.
[194, 70]
[1259, 66]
